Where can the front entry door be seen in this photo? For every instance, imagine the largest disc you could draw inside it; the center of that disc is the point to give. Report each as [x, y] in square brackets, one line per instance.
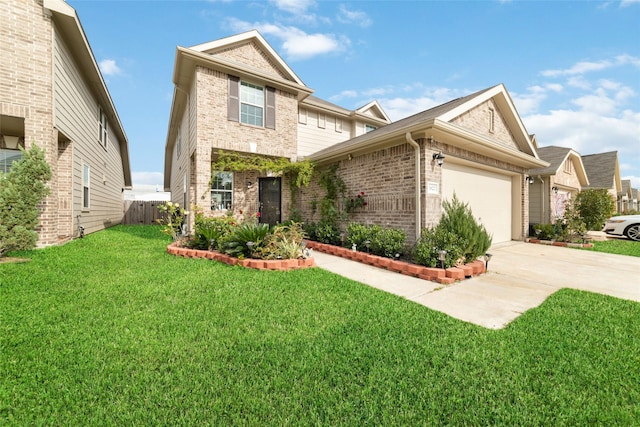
[270, 198]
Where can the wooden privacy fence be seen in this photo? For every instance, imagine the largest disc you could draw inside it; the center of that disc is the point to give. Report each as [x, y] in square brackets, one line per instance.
[141, 212]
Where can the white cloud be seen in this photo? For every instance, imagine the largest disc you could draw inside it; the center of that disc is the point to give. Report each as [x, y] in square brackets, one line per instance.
[584, 67]
[357, 17]
[296, 7]
[109, 67]
[625, 3]
[147, 178]
[296, 44]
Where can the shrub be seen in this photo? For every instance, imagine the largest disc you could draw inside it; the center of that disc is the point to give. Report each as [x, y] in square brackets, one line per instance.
[324, 231]
[172, 219]
[458, 218]
[432, 241]
[236, 243]
[573, 226]
[284, 242]
[210, 232]
[20, 192]
[385, 242]
[595, 206]
[544, 231]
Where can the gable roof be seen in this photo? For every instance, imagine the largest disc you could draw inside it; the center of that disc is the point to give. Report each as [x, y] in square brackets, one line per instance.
[215, 46]
[556, 156]
[603, 170]
[186, 61]
[71, 29]
[435, 123]
[373, 110]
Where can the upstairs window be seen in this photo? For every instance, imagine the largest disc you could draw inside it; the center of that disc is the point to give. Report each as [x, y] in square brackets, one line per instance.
[103, 128]
[222, 191]
[251, 104]
[368, 128]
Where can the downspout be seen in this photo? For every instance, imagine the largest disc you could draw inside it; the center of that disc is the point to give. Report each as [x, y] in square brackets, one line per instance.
[416, 148]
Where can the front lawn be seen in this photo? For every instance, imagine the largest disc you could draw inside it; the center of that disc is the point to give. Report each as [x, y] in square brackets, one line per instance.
[111, 330]
[618, 246]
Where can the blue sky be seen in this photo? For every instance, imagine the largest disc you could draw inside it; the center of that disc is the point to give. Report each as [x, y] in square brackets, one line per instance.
[572, 67]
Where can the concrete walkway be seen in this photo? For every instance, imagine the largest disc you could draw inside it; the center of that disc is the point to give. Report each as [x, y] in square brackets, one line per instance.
[520, 276]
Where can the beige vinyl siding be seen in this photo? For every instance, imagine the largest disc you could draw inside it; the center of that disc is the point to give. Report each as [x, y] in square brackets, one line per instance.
[313, 137]
[76, 114]
[538, 207]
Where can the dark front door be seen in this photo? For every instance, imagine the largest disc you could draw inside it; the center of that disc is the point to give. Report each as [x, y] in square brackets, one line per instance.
[269, 198]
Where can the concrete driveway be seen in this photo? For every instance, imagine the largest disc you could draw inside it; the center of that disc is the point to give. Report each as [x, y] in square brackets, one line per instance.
[520, 276]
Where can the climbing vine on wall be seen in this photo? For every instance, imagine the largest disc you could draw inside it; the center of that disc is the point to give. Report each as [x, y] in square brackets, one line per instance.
[298, 173]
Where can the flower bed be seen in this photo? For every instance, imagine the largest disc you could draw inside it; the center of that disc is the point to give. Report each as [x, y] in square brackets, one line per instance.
[258, 264]
[442, 276]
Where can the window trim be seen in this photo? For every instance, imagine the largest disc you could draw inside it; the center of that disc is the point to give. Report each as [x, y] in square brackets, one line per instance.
[103, 128]
[262, 107]
[86, 187]
[222, 191]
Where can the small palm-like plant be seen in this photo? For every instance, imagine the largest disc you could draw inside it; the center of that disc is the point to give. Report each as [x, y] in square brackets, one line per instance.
[246, 239]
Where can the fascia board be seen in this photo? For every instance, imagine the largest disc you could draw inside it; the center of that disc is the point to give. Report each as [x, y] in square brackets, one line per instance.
[503, 99]
[243, 37]
[187, 59]
[67, 17]
[464, 138]
[336, 110]
[580, 171]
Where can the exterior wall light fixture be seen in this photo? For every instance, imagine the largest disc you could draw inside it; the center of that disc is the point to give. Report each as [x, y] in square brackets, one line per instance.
[439, 158]
[530, 180]
[555, 189]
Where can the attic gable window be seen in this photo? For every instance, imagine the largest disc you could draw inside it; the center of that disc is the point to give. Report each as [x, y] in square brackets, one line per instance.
[568, 166]
[251, 104]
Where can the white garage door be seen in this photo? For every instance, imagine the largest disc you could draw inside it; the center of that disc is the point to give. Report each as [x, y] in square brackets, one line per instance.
[487, 193]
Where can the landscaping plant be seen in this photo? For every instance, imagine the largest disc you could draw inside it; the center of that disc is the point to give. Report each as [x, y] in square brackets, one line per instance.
[172, 219]
[21, 190]
[386, 242]
[595, 207]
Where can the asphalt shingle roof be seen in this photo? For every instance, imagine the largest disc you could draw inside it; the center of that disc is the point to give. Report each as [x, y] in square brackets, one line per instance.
[552, 154]
[601, 169]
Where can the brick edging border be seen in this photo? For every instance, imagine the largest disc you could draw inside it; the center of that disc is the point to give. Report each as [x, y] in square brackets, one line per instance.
[257, 264]
[561, 244]
[442, 276]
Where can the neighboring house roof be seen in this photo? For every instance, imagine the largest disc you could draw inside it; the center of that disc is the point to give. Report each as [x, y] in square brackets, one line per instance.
[71, 29]
[603, 170]
[626, 187]
[556, 156]
[435, 123]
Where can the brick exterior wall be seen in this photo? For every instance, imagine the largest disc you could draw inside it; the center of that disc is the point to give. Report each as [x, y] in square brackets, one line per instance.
[388, 179]
[27, 92]
[478, 119]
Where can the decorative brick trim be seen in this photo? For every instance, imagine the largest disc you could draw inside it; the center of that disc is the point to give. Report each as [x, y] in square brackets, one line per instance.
[561, 244]
[439, 275]
[256, 264]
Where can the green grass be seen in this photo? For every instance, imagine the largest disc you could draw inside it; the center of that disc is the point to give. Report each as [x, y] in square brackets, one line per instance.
[618, 246]
[111, 330]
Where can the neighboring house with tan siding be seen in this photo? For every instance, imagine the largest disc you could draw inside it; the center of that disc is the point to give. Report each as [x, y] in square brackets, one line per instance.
[237, 95]
[603, 171]
[554, 185]
[53, 95]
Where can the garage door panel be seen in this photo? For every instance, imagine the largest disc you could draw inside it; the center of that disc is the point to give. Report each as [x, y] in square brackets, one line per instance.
[487, 193]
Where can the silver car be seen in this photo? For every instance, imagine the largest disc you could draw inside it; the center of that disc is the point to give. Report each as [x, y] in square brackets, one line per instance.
[627, 225]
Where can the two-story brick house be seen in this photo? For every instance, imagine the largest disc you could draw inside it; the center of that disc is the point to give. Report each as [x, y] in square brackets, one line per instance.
[53, 95]
[236, 94]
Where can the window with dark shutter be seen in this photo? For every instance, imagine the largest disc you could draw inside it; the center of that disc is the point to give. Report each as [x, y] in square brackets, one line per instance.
[270, 113]
[233, 109]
